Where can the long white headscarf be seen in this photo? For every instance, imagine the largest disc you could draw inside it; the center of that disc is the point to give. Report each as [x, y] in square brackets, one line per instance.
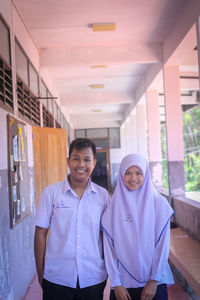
[135, 220]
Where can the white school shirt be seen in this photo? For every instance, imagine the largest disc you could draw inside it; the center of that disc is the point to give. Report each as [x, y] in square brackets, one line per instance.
[160, 270]
[74, 248]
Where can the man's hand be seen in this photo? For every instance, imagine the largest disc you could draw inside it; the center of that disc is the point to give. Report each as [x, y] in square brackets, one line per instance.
[121, 293]
[149, 290]
[39, 249]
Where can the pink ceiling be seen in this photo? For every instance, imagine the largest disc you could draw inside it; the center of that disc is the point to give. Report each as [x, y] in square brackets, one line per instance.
[68, 46]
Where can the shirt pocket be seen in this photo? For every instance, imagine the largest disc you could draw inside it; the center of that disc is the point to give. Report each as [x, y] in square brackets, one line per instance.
[94, 213]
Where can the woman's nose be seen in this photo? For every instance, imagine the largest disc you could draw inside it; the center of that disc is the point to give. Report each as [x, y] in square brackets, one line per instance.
[133, 176]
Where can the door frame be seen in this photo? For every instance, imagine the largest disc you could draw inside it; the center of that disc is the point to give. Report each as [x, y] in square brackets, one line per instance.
[107, 150]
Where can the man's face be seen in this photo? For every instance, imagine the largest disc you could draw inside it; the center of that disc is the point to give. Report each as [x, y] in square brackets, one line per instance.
[81, 164]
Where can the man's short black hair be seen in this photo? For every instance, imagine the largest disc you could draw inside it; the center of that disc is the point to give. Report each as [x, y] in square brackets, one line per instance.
[81, 143]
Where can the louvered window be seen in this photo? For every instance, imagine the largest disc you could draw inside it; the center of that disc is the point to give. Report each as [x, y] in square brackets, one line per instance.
[47, 111]
[6, 92]
[28, 107]
[47, 117]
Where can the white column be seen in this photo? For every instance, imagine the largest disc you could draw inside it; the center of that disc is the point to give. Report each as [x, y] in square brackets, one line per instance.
[154, 136]
[141, 121]
[198, 43]
[133, 134]
[174, 131]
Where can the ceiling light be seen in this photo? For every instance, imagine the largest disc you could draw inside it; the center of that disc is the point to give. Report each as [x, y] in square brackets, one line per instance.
[97, 110]
[97, 86]
[103, 26]
[99, 66]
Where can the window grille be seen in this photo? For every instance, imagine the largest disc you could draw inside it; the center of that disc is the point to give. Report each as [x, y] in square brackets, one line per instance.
[6, 90]
[28, 107]
[57, 125]
[47, 117]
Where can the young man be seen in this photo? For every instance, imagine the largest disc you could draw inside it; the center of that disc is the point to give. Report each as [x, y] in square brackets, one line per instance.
[70, 265]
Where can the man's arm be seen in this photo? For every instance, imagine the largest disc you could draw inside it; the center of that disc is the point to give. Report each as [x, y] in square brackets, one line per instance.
[39, 250]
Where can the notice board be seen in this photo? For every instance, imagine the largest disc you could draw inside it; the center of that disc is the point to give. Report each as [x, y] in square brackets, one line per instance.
[17, 171]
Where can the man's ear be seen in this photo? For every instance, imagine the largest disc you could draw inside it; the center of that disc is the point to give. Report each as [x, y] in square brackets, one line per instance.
[68, 160]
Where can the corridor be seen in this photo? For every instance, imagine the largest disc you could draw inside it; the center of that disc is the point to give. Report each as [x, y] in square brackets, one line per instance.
[176, 292]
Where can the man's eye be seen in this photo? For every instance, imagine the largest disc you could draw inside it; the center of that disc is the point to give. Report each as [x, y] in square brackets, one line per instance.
[87, 160]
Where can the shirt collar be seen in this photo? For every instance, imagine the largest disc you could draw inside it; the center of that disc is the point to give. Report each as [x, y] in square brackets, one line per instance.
[90, 187]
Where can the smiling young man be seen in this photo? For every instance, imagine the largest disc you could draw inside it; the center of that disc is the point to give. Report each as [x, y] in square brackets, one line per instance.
[70, 265]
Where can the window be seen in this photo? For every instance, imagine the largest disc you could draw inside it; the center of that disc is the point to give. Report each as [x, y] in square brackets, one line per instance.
[27, 87]
[28, 106]
[6, 88]
[102, 134]
[97, 133]
[57, 115]
[21, 63]
[47, 106]
[81, 133]
[33, 80]
[114, 137]
[5, 42]
[6, 92]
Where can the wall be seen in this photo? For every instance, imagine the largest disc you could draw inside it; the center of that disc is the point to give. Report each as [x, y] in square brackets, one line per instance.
[187, 216]
[17, 265]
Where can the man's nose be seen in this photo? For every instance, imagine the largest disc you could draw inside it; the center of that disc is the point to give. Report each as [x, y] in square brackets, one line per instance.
[81, 162]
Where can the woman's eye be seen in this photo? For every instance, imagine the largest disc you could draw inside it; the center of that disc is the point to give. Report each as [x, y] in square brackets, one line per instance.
[138, 173]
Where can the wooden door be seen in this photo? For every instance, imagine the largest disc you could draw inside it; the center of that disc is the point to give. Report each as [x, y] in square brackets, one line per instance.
[50, 157]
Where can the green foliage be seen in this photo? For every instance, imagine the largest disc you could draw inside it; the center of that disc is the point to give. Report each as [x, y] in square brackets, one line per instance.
[191, 133]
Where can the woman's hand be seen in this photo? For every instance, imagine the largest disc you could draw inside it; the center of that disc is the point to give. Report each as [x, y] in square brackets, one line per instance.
[121, 293]
[149, 290]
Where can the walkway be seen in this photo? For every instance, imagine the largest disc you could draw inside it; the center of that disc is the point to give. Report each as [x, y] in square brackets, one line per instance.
[175, 292]
[184, 255]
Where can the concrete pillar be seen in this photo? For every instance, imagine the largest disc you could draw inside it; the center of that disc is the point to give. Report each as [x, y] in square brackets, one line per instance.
[198, 43]
[127, 137]
[154, 137]
[122, 135]
[141, 121]
[133, 134]
[174, 131]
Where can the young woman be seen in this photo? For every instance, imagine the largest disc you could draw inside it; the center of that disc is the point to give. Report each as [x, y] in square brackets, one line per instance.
[136, 235]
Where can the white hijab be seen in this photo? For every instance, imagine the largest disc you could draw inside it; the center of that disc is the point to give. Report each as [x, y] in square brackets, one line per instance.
[135, 220]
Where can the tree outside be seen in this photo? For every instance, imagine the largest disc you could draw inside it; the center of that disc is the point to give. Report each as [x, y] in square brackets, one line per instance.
[191, 133]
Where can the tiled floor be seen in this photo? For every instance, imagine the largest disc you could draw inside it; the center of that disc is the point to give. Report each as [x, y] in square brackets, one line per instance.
[185, 256]
[175, 292]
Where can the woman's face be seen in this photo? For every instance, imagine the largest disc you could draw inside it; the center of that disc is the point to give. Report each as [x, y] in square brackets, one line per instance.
[133, 178]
